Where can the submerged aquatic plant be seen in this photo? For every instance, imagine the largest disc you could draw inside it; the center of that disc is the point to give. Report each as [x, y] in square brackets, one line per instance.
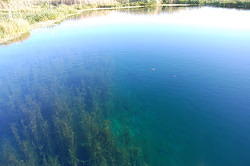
[59, 120]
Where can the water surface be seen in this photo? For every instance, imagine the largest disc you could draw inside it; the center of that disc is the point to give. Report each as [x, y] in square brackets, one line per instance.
[177, 78]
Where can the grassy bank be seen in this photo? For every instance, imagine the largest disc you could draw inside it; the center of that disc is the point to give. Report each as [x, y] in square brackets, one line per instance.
[11, 28]
[18, 19]
[16, 22]
[219, 3]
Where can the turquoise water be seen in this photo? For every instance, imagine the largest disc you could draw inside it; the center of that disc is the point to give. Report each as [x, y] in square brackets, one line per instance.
[177, 78]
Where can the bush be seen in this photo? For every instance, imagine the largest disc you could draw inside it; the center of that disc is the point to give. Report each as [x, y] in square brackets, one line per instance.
[43, 15]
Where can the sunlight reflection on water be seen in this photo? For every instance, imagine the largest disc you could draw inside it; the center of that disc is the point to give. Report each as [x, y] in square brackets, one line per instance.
[207, 17]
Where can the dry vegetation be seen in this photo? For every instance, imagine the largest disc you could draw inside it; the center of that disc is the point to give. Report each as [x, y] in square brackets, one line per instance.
[18, 16]
[13, 26]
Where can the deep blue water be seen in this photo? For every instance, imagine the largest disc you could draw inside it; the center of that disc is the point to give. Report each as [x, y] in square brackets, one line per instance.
[179, 78]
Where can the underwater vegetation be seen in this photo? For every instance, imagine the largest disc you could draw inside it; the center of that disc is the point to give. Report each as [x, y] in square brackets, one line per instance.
[50, 115]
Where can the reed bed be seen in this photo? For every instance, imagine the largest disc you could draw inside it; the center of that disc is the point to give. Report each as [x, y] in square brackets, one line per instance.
[9, 28]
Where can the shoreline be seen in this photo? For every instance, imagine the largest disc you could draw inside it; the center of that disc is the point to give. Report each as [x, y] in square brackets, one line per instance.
[47, 23]
[56, 21]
